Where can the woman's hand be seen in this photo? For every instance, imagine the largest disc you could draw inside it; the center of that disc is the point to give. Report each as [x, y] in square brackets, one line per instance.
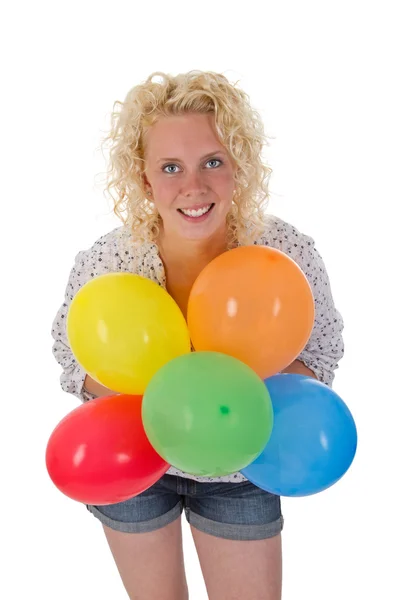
[95, 388]
[300, 368]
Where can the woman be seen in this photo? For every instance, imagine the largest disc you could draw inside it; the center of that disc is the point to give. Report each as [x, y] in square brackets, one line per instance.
[189, 184]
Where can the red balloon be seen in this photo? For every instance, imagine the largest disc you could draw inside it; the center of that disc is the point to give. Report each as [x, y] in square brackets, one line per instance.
[100, 454]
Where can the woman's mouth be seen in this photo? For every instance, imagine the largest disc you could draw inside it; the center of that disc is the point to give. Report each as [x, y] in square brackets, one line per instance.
[192, 214]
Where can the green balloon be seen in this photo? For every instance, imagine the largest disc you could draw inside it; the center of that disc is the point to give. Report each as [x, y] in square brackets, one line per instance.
[207, 414]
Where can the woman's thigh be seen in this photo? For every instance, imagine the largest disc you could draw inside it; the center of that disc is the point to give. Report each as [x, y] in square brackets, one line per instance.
[240, 570]
[237, 532]
[145, 538]
[150, 564]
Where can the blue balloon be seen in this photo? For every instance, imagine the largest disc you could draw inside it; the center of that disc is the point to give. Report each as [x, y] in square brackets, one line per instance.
[313, 440]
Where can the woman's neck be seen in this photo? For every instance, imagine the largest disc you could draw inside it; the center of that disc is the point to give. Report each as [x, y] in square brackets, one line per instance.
[190, 256]
[184, 260]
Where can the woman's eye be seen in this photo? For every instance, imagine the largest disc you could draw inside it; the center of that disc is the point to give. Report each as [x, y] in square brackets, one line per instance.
[214, 160]
[172, 166]
[169, 166]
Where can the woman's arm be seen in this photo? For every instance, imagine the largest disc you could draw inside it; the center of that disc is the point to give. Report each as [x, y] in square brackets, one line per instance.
[99, 259]
[325, 347]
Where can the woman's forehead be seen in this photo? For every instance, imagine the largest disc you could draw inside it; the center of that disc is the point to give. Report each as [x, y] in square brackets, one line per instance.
[172, 137]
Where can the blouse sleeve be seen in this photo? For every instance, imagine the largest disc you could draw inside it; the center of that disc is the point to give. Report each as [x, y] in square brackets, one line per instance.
[325, 347]
[98, 260]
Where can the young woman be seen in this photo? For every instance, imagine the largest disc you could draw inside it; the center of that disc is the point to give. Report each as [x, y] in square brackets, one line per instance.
[188, 182]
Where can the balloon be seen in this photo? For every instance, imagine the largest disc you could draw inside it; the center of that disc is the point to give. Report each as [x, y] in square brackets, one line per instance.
[99, 453]
[122, 328]
[313, 441]
[207, 414]
[253, 303]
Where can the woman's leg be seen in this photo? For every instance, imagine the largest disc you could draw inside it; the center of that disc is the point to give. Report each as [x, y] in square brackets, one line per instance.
[145, 537]
[237, 528]
[240, 570]
[150, 564]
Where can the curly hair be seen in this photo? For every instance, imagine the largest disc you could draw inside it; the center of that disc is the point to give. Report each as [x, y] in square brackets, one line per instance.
[239, 128]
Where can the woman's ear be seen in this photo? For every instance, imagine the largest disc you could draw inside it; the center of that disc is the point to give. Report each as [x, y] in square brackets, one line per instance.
[146, 185]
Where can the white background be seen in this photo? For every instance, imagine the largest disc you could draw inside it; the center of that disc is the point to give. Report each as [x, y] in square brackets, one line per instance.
[325, 77]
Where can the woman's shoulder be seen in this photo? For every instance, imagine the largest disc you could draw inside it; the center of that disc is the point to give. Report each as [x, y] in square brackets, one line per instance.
[119, 244]
[287, 238]
[283, 235]
[118, 250]
[112, 239]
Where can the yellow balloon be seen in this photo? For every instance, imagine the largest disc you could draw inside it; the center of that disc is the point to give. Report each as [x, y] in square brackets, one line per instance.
[122, 328]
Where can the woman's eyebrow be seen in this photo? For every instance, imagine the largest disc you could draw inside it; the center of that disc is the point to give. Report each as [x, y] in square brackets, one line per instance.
[202, 158]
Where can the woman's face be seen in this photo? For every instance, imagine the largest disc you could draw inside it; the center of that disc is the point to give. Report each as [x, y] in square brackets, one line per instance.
[190, 175]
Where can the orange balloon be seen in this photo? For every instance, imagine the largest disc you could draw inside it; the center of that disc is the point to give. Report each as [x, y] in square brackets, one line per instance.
[253, 303]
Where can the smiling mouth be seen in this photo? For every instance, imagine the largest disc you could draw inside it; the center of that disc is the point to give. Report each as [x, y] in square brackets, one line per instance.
[200, 212]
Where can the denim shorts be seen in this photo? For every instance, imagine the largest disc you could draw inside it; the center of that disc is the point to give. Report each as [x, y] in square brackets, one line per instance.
[234, 511]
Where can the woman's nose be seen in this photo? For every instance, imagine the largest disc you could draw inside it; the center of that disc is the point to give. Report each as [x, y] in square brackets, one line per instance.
[194, 185]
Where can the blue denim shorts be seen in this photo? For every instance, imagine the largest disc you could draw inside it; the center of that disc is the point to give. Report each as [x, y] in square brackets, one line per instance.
[234, 511]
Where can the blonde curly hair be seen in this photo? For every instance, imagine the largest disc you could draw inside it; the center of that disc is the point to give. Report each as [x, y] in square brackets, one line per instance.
[239, 128]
